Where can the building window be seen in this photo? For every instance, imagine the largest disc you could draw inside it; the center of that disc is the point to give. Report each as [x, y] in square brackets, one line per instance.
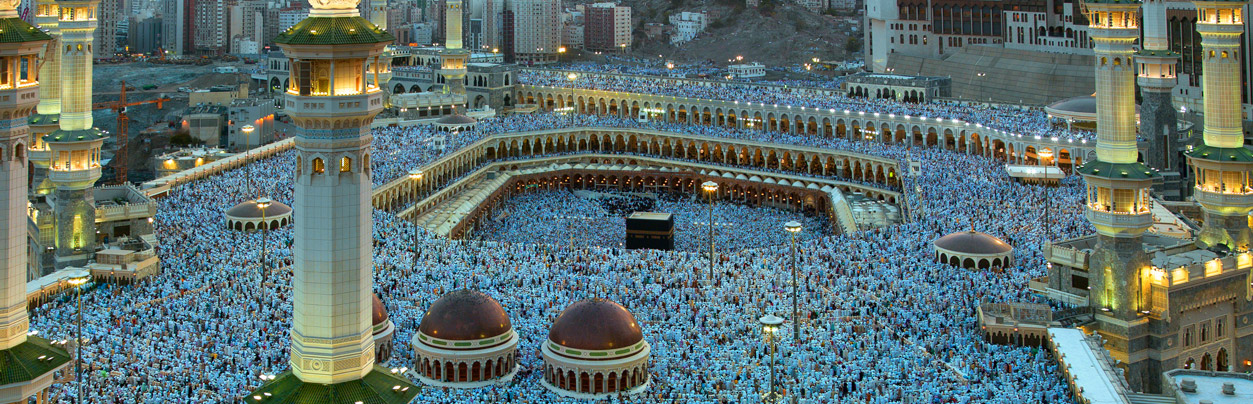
[318, 166]
[345, 164]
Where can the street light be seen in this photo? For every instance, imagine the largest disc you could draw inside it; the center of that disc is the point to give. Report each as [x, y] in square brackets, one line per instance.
[415, 175]
[247, 129]
[78, 279]
[712, 188]
[264, 202]
[769, 326]
[794, 227]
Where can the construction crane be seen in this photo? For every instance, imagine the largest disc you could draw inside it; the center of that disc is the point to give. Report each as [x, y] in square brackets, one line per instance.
[119, 106]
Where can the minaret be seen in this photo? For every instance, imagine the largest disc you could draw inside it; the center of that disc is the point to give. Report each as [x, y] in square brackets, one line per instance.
[332, 104]
[1118, 199]
[31, 362]
[1221, 166]
[1158, 118]
[378, 16]
[453, 57]
[75, 146]
[48, 116]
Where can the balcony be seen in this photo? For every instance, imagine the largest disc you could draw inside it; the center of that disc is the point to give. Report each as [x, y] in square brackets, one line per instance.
[88, 176]
[1112, 221]
[1217, 199]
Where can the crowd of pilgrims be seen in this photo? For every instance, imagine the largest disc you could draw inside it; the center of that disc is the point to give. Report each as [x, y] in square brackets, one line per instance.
[881, 321]
[1011, 119]
[704, 70]
[599, 219]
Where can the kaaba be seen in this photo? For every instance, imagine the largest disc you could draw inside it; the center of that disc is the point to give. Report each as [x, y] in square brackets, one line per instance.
[650, 230]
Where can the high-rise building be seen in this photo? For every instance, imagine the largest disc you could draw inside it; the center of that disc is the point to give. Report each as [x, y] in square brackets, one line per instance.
[75, 145]
[247, 25]
[607, 27]
[111, 13]
[210, 30]
[145, 35]
[536, 30]
[178, 26]
[331, 104]
[31, 363]
[291, 16]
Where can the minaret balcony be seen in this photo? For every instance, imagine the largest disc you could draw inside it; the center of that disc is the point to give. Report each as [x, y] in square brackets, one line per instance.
[74, 176]
[23, 96]
[1219, 200]
[1118, 223]
[317, 105]
[1228, 29]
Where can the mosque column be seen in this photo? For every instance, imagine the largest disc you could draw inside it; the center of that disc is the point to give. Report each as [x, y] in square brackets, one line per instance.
[47, 118]
[75, 145]
[1117, 189]
[19, 93]
[1222, 164]
[332, 345]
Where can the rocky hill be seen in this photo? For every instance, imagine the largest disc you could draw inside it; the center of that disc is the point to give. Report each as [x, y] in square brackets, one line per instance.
[774, 33]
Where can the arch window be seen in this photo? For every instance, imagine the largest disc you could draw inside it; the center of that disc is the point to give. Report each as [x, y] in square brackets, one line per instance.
[319, 167]
[345, 164]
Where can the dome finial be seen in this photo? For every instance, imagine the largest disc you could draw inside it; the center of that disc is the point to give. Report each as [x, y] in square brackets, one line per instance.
[329, 8]
[8, 8]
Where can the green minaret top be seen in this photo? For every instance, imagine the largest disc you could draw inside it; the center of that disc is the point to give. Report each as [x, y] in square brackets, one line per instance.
[14, 30]
[333, 31]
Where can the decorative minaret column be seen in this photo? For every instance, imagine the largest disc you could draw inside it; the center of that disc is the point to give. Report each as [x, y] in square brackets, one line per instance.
[30, 362]
[1221, 166]
[1117, 199]
[47, 119]
[453, 57]
[1158, 118]
[378, 16]
[332, 104]
[75, 146]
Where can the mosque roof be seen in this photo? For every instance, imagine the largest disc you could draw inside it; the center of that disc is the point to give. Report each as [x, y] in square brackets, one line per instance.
[377, 387]
[1097, 168]
[972, 242]
[250, 210]
[1211, 153]
[457, 119]
[44, 119]
[74, 136]
[595, 324]
[15, 30]
[30, 360]
[464, 315]
[333, 31]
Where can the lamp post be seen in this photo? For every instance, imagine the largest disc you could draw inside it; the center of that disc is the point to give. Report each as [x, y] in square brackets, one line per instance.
[247, 129]
[572, 78]
[711, 188]
[78, 279]
[794, 227]
[769, 326]
[264, 202]
[415, 175]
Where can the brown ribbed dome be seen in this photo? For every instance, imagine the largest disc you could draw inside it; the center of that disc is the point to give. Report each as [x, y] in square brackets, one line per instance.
[250, 210]
[465, 315]
[380, 311]
[973, 242]
[595, 324]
